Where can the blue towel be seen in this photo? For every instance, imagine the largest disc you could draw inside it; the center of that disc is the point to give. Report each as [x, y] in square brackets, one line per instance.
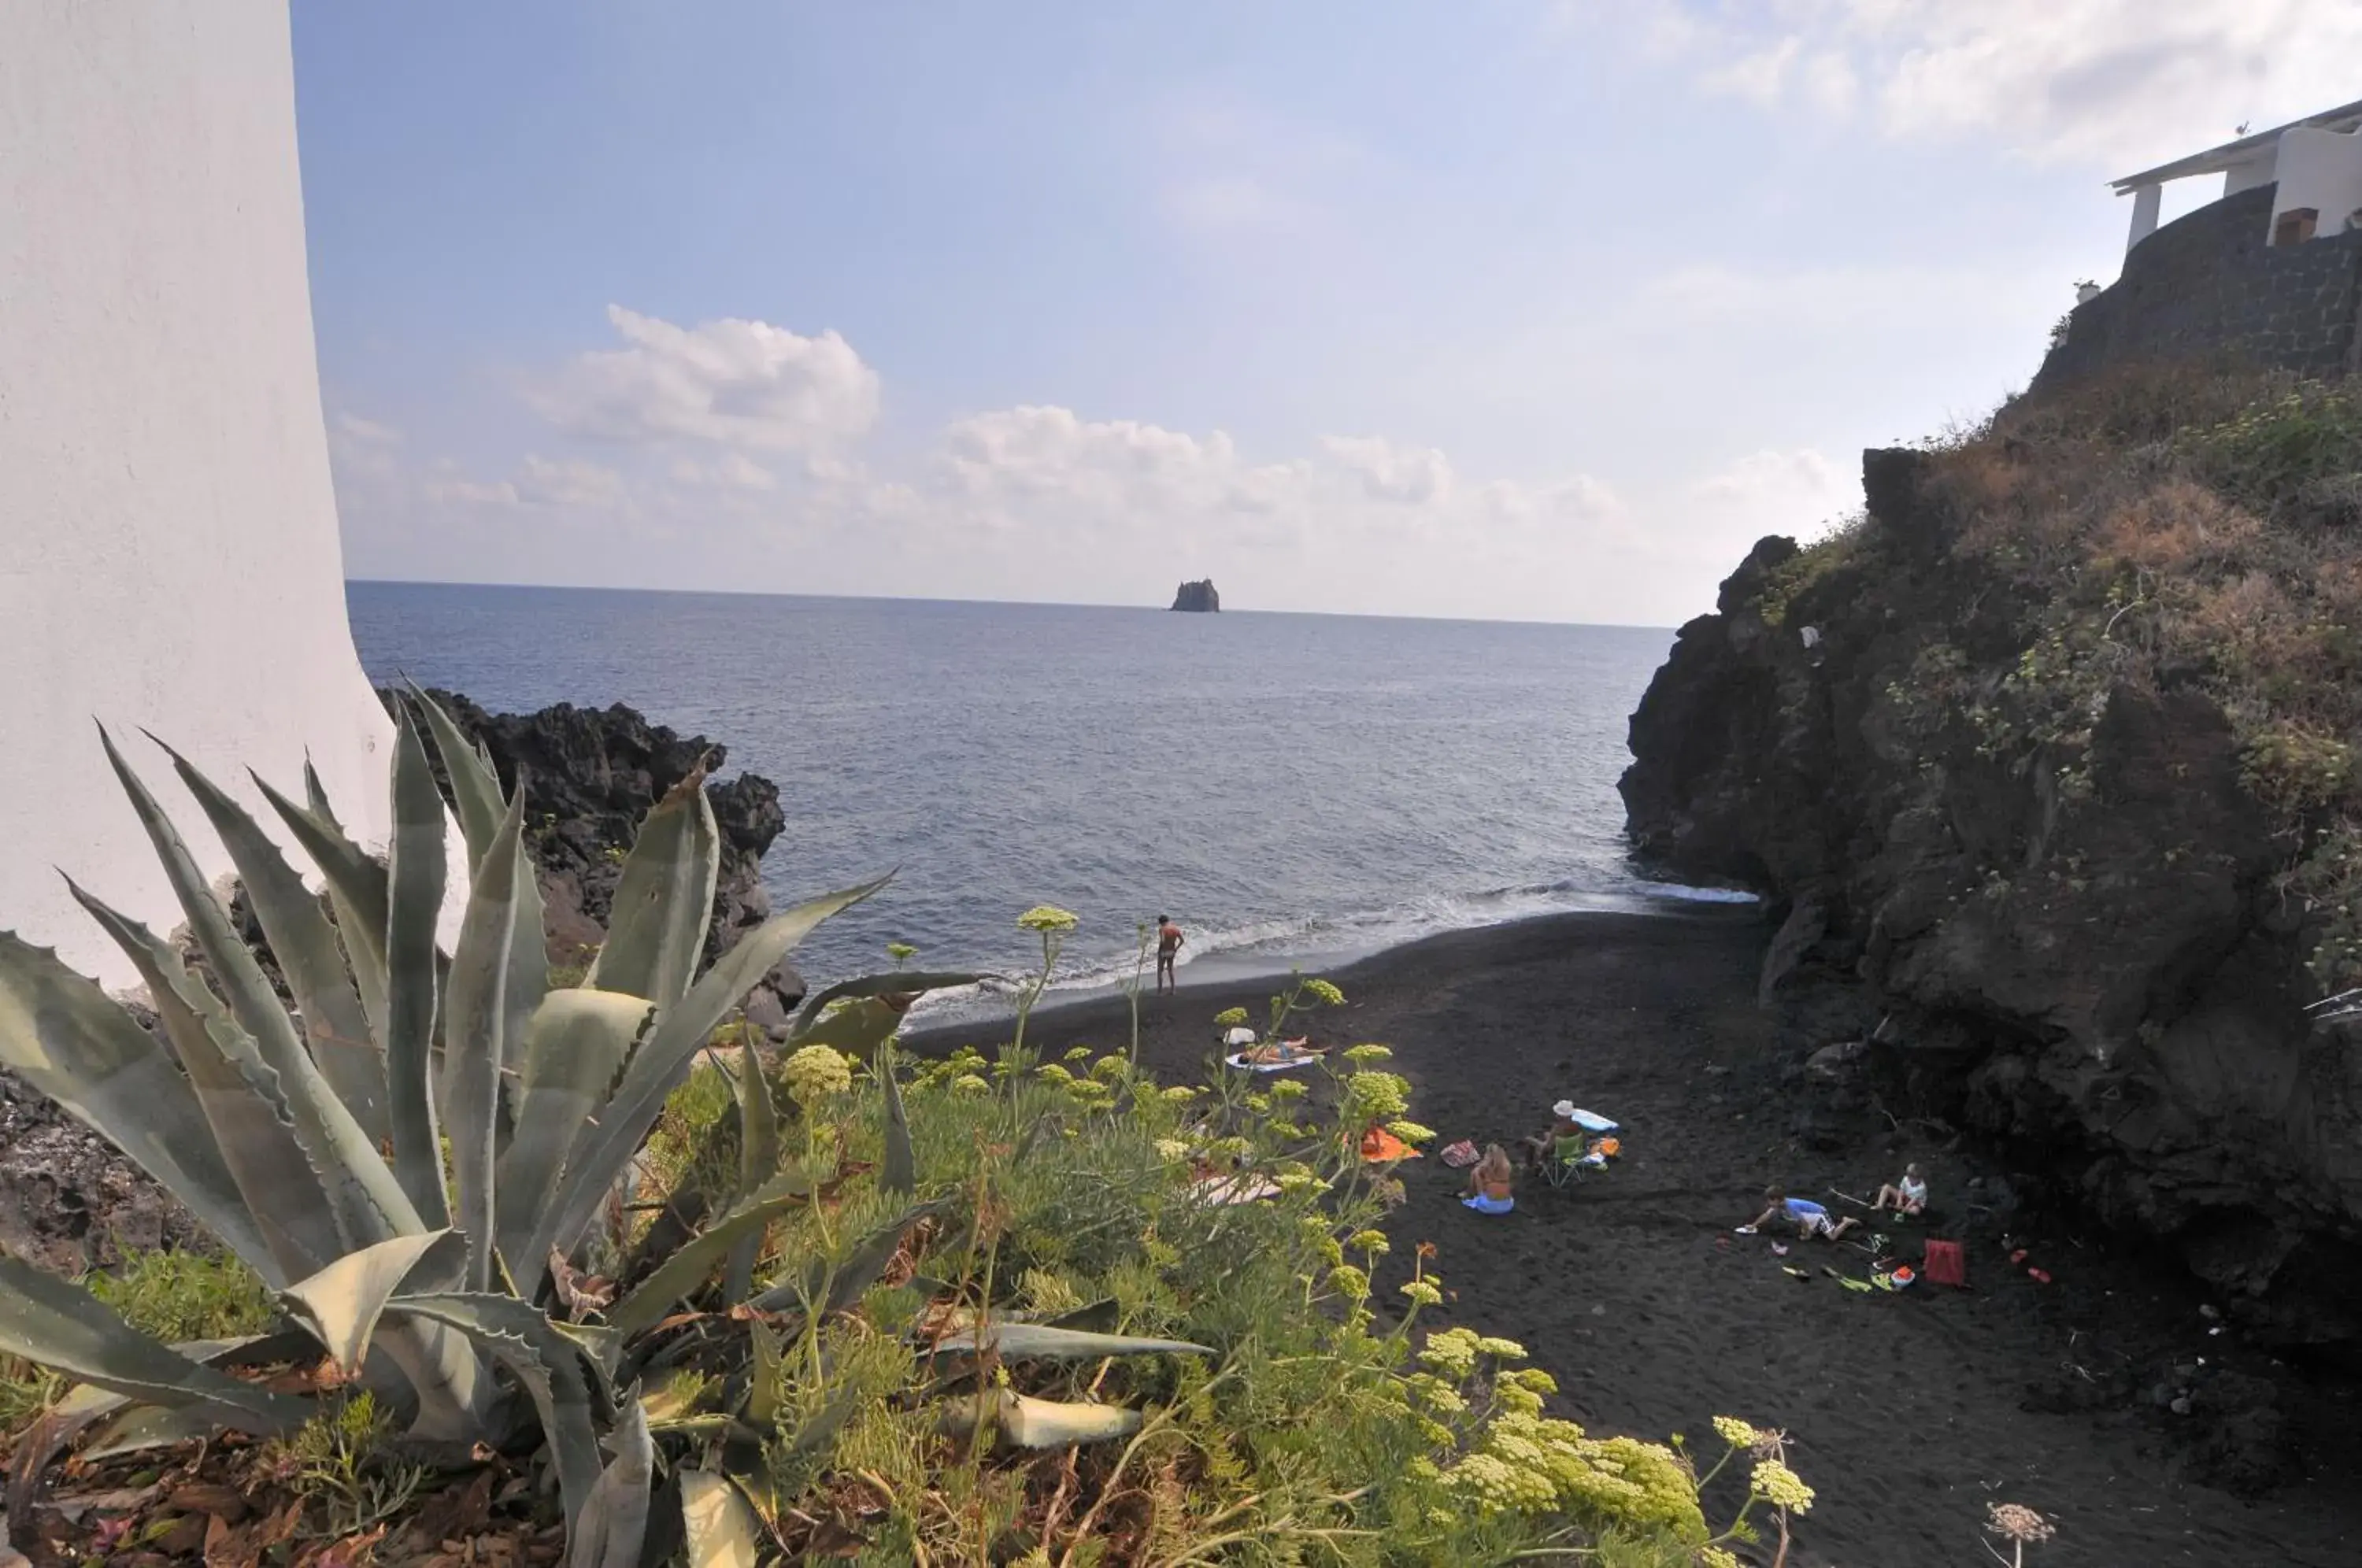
[1483, 1205]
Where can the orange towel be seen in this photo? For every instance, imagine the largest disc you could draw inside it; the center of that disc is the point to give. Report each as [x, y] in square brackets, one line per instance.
[1378, 1146]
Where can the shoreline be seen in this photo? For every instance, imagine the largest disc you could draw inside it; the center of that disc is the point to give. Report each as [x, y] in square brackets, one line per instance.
[1228, 969]
[1907, 1412]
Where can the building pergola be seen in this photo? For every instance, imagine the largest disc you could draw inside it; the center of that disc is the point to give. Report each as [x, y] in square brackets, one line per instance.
[2316, 161]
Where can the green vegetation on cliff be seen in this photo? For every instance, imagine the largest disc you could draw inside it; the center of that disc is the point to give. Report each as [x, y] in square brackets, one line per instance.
[2170, 530]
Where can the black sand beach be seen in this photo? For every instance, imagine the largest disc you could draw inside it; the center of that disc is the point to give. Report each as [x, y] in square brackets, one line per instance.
[1907, 1412]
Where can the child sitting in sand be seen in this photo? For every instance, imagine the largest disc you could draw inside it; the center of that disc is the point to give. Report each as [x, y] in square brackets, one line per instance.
[1488, 1183]
[1908, 1196]
[1809, 1218]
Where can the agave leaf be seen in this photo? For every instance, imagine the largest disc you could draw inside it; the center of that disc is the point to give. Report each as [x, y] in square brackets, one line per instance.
[305, 945]
[475, 784]
[895, 983]
[660, 1064]
[545, 1363]
[1026, 1422]
[721, 1528]
[758, 1159]
[858, 1271]
[357, 887]
[615, 1522]
[418, 867]
[61, 1326]
[240, 1097]
[367, 1203]
[141, 1428]
[687, 1266]
[341, 1304]
[473, 1046]
[857, 1028]
[899, 1171]
[476, 789]
[61, 1034]
[1039, 1341]
[664, 900]
[575, 1044]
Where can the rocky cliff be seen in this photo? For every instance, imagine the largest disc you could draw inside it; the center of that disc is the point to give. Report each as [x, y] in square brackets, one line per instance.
[1997, 761]
[589, 776]
[1198, 596]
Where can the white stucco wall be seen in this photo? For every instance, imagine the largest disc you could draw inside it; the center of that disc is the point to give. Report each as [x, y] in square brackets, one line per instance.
[2320, 170]
[169, 553]
[2256, 170]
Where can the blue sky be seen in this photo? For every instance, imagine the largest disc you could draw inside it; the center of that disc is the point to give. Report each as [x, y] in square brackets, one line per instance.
[1539, 310]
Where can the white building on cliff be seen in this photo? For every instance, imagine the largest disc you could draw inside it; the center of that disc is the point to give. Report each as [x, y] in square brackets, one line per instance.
[168, 551]
[2317, 162]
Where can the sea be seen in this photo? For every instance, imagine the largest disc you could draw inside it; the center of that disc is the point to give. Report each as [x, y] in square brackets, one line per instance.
[1293, 790]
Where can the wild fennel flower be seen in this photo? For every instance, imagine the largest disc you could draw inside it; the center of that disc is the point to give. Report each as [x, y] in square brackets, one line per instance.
[1370, 1242]
[1781, 1486]
[1350, 1282]
[1172, 1149]
[1410, 1132]
[1734, 1432]
[1374, 1097]
[1047, 919]
[970, 1083]
[1421, 1292]
[900, 952]
[815, 1073]
[1294, 1183]
[1536, 1379]
[1324, 993]
[1078, 1053]
[1230, 1018]
[2016, 1521]
[1181, 1094]
[1050, 1072]
[1508, 1350]
[1361, 1055]
[1287, 1089]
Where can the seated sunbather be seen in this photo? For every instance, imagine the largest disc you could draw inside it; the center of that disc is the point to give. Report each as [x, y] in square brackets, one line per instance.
[1809, 1218]
[1539, 1149]
[1489, 1183]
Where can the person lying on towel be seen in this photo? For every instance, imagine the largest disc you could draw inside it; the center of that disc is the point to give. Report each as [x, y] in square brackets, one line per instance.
[1489, 1183]
[1809, 1218]
[1296, 1050]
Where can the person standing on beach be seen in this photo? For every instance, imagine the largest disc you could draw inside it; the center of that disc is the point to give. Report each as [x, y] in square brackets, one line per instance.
[1168, 948]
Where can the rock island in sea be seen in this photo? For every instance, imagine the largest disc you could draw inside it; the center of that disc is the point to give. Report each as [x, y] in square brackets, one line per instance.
[1198, 596]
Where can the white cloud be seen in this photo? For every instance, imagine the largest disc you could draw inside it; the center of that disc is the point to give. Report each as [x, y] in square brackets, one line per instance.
[1221, 168]
[2116, 81]
[570, 482]
[734, 470]
[734, 384]
[1039, 501]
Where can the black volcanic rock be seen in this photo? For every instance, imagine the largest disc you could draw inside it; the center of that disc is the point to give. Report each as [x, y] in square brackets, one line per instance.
[2104, 983]
[1198, 596]
[589, 776]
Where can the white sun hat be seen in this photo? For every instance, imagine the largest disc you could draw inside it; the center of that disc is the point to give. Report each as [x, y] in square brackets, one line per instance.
[1564, 1109]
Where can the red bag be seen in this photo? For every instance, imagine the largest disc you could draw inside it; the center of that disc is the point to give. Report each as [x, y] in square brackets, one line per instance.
[1945, 1264]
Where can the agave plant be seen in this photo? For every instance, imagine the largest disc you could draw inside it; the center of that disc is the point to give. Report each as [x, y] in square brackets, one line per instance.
[420, 1156]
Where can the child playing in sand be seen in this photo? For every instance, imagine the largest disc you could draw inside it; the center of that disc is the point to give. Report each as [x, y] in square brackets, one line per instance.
[1908, 1196]
[1488, 1183]
[1809, 1218]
